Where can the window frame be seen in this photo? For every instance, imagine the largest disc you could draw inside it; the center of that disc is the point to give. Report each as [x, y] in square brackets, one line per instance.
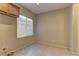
[27, 35]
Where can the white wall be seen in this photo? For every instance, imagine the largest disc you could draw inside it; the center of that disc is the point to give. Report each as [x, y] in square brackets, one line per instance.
[8, 32]
[56, 28]
[52, 28]
[75, 27]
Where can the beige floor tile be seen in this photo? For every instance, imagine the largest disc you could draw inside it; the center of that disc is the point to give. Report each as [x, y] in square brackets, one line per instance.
[43, 50]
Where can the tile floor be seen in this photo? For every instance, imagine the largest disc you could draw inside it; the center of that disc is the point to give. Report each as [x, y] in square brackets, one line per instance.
[42, 50]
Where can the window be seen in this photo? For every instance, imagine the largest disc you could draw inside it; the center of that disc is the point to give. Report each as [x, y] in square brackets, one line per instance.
[24, 26]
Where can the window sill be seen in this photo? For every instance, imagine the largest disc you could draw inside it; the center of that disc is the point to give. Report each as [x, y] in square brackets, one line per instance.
[25, 37]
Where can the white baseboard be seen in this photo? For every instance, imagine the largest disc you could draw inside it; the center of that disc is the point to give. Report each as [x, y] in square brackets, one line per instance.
[53, 45]
[25, 46]
[18, 49]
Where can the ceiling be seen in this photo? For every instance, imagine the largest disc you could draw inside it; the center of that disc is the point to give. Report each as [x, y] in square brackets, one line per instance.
[44, 7]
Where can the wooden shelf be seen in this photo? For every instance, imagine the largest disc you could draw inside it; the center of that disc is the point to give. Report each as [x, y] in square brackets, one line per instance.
[9, 9]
